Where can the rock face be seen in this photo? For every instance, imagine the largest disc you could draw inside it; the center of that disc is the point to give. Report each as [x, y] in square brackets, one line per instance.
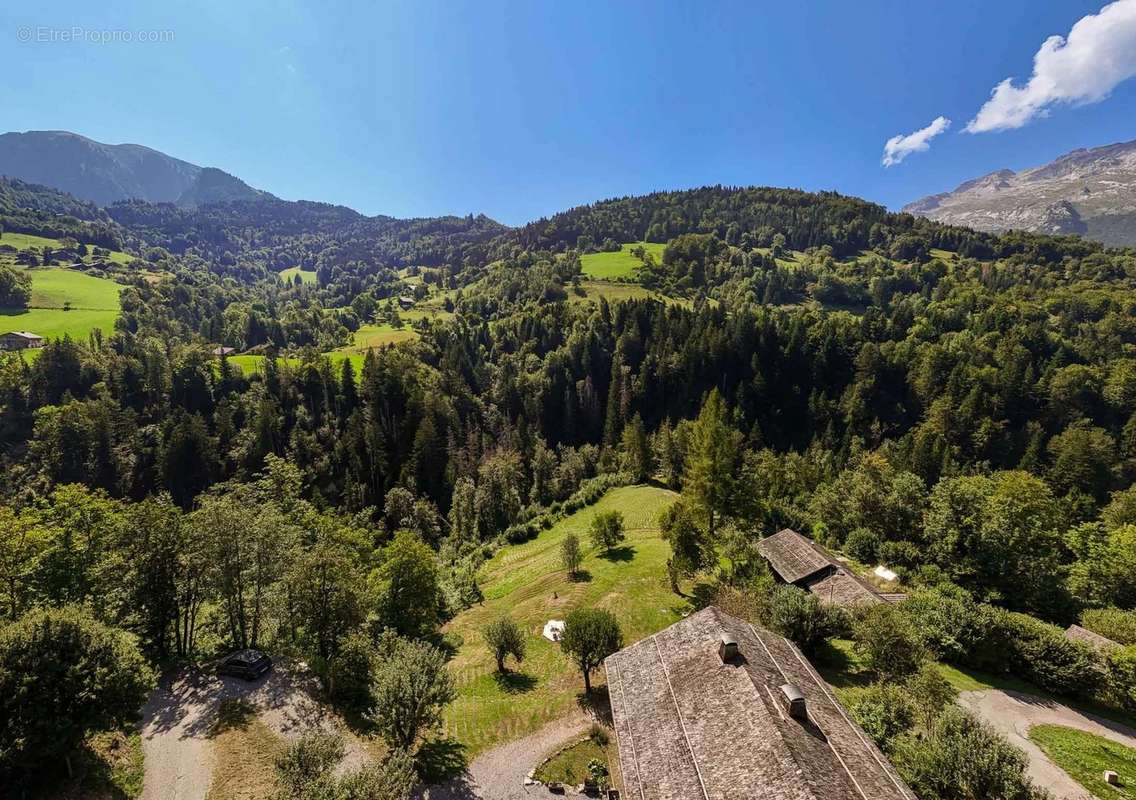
[1087, 192]
[106, 173]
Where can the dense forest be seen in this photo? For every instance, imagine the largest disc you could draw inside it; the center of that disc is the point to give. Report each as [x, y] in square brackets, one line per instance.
[960, 406]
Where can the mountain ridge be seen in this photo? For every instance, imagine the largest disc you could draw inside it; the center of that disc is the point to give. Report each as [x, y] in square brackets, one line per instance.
[1088, 191]
[107, 173]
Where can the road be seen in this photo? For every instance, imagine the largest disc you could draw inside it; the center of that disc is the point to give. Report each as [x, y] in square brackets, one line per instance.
[1014, 713]
[181, 712]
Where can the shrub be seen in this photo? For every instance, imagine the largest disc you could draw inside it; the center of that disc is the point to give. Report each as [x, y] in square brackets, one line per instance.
[900, 555]
[1113, 623]
[412, 686]
[930, 694]
[801, 617]
[956, 628]
[863, 545]
[963, 759]
[888, 641]
[1040, 653]
[1121, 666]
[884, 711]
[599, 735]
[351, 673]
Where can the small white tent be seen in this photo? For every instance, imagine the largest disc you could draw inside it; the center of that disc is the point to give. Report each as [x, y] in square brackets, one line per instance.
[553, 630]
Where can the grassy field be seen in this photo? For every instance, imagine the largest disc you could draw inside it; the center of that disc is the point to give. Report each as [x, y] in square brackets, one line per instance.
[22, 241]
[244, 749]
[528, 583]
[306, 275]
[93, 304]
[570, 766]
[618, 292]
[619, 265]
[1085, 756]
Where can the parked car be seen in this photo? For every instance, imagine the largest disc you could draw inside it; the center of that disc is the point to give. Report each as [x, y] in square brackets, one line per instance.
[248, 664]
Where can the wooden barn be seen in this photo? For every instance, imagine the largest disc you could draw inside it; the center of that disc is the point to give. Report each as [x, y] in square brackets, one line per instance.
[804, 563]
[20, 340]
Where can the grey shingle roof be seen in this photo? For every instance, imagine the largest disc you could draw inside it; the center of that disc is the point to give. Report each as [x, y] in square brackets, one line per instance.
[691, 727]
[1091, 638]
[842, 588]
[792, 556]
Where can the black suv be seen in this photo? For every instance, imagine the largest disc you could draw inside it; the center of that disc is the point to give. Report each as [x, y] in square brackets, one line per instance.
[247, 664]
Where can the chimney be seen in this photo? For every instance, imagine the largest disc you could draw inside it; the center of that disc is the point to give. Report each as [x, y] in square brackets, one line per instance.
[728, 648]
[794, 701]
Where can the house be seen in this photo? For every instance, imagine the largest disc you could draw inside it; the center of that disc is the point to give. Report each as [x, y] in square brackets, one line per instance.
[802, 562]
[20, 340]
[223, 351]
[405, 302]
[714, 708]
[1102, 644]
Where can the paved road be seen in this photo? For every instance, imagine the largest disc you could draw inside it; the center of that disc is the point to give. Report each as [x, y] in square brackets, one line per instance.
[499, 774]
[180, 713]
[1013, 713]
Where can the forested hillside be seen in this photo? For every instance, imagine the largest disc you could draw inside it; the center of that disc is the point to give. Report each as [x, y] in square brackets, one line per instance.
[958, 405]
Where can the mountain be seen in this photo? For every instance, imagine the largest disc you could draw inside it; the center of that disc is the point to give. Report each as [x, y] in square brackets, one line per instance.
[1087, 192]
[107, 173]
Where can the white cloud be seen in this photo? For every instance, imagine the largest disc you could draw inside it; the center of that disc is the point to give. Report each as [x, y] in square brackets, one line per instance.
[900, 147]
[1098, 54]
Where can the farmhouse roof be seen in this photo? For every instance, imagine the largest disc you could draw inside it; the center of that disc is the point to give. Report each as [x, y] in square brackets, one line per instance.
[24, 334]
[842, 588]
[710, 708]
[792, 556]
[1100, 643]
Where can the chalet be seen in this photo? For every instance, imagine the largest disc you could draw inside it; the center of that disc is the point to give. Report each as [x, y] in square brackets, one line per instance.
[802, 562]
[1102, 644]
[223, 351]
[20, 340]
[405, 302]
[714, 708]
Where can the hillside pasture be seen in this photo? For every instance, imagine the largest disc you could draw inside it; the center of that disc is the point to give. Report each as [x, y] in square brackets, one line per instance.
[65, 302]
[23, 241]
[618, 265]
[307, 276]
[527, 582]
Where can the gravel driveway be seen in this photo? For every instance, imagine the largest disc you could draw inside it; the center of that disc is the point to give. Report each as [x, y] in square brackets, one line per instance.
[1013, 713]
[499, 774]
[180, 714]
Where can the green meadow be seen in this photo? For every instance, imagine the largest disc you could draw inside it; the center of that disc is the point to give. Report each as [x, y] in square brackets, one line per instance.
[306, 275]
[22, 241]
[65, 302]
[528, 583]
[619, 265]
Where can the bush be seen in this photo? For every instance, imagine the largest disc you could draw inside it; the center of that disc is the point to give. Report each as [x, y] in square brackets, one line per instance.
[1121, 666]
[1041, 654]
[351, 673]
[801, 617]
[956, 628]
[884, 711]
[63, 675]
[863, 545]
[889, 642]
[900, 555]
[963, 759]
[1113, 623]
[412, 686]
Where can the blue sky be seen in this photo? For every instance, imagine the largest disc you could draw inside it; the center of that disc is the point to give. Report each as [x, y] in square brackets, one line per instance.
[521, 109]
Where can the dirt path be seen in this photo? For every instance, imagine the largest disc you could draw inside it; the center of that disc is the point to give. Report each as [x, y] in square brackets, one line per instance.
[180, 714]
[1014, 713]
[499, 774]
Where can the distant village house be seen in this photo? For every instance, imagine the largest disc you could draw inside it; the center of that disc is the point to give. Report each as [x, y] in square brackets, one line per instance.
[714, 707]
[223, 351]
[405, 302]
[20, 340]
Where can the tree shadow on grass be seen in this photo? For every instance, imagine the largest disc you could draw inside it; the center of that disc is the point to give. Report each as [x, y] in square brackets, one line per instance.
[702, 594]
[441, 760]
[838, 669]
[598, 704]
[514, 682]
[624, 553]
[233, 714]
[580, 576]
